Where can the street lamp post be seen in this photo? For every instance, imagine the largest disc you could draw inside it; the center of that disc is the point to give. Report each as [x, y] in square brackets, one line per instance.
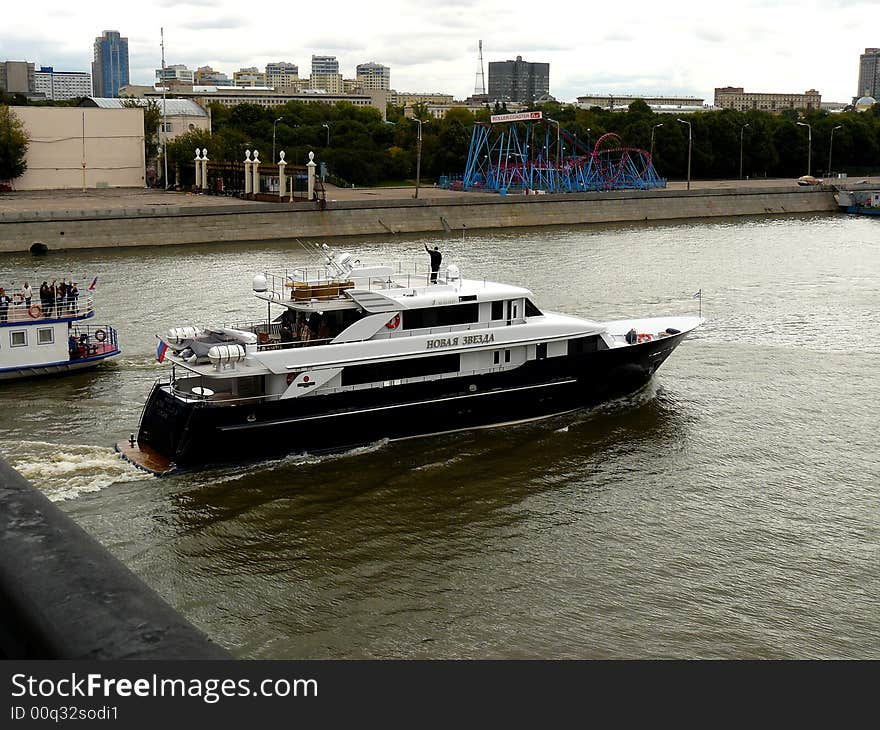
[273, 137]
[809, 144]
[741, 130]
[588, 137]
[327, 126]
[690, 145]
[831, 147]
[418, 155]
[652, 138]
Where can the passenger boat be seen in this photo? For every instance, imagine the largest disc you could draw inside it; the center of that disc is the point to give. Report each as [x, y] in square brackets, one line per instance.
[860, 202]
[361, 354]
[57, 339]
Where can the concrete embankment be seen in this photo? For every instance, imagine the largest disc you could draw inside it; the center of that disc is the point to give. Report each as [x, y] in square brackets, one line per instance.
[248, 221]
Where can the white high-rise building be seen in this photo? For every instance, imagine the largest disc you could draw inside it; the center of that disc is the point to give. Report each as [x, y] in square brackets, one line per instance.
[176, 74]
[61, 85]
[324, 65]
[374, 76]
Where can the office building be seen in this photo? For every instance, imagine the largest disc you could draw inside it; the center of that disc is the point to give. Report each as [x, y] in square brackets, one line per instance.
[17, 77]
[249, 77]
[61, 85]
[869, 73]
[734, 97]
[518, 80]
[282, 75]
[660, 104]
[110, 67]
[173, 75]
[207, 76]
[374, 76]
[322, 65]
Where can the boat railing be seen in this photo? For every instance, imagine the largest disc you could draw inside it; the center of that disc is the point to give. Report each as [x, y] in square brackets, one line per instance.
[81, 307]
[94, 339]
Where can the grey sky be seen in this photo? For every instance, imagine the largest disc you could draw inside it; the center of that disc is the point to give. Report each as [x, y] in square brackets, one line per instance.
[676, 46]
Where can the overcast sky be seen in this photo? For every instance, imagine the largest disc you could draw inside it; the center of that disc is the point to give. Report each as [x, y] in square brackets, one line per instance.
[651, 47]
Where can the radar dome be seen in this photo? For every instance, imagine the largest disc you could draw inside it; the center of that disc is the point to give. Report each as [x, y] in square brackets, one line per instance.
[864, 103]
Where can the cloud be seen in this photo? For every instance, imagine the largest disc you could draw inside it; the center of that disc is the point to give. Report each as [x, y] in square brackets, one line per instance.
[225, 22]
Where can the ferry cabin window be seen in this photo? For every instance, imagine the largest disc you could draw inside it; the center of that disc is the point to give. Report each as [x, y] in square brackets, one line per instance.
[582, 345]
[532, 310]
[18, 338]
[45, 336]
[414, 319]
[401, 369]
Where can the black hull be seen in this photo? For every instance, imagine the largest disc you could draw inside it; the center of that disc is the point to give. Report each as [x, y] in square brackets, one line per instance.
[201, 433]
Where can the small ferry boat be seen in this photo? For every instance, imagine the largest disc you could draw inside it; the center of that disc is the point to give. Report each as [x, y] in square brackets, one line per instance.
[860, 202]
[53, 339]
[360, 354]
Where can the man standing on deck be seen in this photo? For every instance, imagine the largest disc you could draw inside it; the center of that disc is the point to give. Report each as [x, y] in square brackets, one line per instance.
[436, 258]
[5, 301]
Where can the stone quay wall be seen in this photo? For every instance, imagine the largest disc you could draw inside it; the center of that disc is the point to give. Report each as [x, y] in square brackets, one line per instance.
[249, 221]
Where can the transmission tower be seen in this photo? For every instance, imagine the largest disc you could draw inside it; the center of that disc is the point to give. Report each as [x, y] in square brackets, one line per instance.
[480, 85]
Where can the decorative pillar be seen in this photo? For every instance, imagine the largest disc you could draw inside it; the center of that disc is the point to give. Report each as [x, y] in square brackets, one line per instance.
[205, 168]
[311, 166]
[247, 172]
[256, 169]
[198, 168]
[282, 180]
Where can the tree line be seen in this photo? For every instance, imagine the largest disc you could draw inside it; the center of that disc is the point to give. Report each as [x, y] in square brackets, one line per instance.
[361, 148]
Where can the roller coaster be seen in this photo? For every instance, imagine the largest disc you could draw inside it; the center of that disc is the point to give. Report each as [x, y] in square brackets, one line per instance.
[527, 152]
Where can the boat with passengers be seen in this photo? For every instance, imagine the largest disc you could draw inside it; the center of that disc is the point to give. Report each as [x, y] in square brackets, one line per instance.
[50, 337]
[360, 354]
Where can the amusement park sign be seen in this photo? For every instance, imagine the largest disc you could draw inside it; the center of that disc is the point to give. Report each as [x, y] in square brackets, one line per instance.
[520, 117]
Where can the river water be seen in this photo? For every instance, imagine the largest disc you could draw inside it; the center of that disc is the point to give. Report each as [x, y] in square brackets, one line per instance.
[729, 509]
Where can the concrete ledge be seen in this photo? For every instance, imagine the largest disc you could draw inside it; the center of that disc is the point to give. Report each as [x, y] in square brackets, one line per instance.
[63, 596]
[249, 221]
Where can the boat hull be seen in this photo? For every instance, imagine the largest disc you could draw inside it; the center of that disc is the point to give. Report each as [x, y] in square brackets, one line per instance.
[54, 369]
[197, 433]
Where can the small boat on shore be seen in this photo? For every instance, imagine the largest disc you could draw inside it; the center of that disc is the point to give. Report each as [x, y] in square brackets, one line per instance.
[38, 339]
[859, 202]
[361, 354]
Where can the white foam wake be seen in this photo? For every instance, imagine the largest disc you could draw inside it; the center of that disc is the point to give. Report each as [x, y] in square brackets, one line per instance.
[65, 471]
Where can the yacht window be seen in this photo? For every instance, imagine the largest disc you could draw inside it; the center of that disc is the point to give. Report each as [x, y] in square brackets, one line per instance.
[585, 344]
[507, 356]
[401, 369]
[45, 336]
[18, 338]
[532, 310]
[414, 319]
[498, 310]
[541, 351]
[497, 357]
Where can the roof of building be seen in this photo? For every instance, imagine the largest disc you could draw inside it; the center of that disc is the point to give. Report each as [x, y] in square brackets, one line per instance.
[173, 107]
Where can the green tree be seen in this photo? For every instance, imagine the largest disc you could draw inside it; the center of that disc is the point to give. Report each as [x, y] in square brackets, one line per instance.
[13, 145]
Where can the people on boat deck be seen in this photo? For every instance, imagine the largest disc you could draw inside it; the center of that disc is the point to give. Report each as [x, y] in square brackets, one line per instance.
[436, 258]
[27, 293]
[73, 348]
[287, 326]
[72, 296]
[5, 301]
[46, 299]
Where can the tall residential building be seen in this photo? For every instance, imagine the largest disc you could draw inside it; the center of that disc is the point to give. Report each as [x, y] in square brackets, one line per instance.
[249, 77]
[17, 77]
[282, 75]
[869, 73]
[176, 74]
[518, 80]
[60, 85]
[207, 76]
[110, 67]
[374, 75]
[324, 65]
[330, 83]
[734, 97]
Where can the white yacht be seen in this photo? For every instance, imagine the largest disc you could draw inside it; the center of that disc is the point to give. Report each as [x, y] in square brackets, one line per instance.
[361, 354]
[51, 340]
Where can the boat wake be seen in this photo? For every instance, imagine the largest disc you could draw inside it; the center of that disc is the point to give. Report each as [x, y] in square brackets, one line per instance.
[66, 471]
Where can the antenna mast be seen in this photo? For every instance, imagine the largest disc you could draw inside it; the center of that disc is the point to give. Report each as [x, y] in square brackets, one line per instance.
[480, 85]
[164, 110]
